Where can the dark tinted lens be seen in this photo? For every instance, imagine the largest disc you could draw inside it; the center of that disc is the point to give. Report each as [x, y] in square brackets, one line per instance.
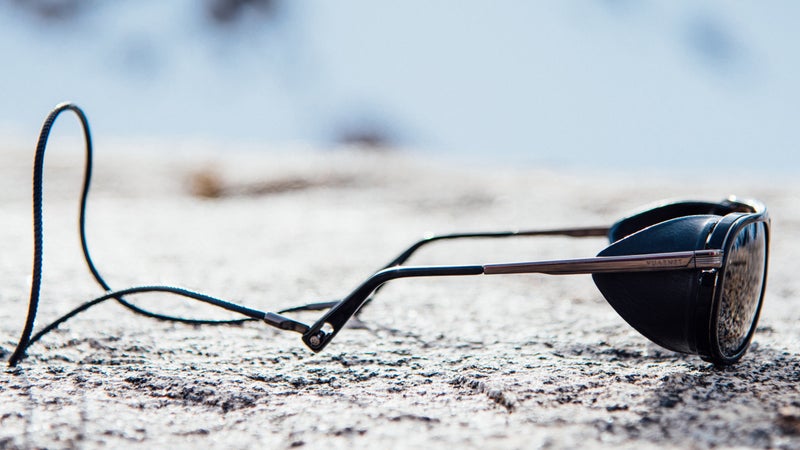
[741, 290]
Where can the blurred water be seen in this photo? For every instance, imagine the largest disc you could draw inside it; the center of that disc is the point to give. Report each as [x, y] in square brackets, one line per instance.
[678, 85]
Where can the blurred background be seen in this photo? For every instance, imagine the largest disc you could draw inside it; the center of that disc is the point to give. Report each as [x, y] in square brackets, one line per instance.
[675, 85]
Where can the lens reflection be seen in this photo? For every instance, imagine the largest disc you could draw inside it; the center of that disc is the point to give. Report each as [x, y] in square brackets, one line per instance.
[742, 285]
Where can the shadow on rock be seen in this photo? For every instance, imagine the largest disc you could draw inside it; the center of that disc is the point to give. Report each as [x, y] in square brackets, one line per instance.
[760, 395]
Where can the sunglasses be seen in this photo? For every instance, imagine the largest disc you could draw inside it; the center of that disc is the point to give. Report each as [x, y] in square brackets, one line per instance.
[688, 275]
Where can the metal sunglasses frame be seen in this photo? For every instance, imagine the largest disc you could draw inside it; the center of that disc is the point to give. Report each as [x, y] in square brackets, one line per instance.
[707, 263]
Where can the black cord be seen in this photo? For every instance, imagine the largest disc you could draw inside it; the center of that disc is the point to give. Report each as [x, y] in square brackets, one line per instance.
[252, 313]
[25, 339]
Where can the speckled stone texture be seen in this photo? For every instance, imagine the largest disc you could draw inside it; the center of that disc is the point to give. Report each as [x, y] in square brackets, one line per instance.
[516, 361]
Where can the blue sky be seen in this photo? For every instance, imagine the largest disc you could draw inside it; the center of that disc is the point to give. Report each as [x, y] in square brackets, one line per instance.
[610, 83]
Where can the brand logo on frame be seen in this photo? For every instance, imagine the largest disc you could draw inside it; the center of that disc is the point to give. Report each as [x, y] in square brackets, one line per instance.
[665, 262]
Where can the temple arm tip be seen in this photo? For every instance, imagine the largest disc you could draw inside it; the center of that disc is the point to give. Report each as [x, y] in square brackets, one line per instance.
[317, 340]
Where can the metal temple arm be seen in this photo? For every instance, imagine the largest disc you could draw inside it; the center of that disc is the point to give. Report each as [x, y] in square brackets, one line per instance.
[653, 262]
[408, 252]
[321, 333]
[570, 232]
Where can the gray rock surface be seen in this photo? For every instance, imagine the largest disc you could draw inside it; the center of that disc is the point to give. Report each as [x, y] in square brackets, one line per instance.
[526, 361]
